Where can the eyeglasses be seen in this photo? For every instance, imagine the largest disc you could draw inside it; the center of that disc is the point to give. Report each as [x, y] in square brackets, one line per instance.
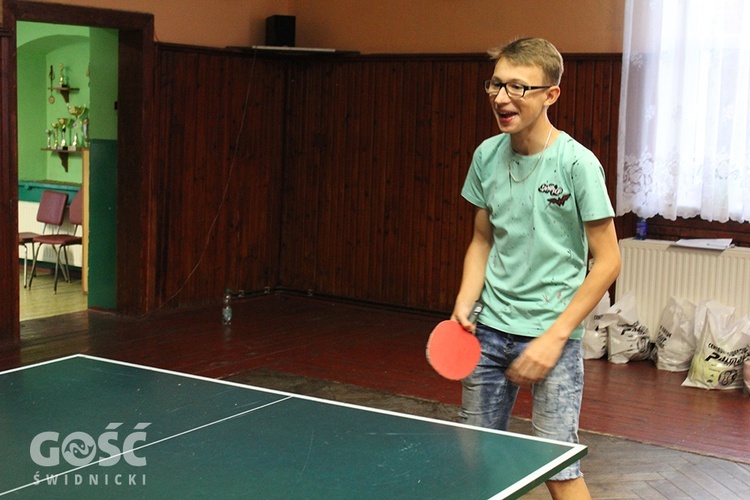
[514, 90]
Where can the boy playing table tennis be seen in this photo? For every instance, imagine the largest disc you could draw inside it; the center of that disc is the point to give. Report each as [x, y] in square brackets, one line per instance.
[541, 206]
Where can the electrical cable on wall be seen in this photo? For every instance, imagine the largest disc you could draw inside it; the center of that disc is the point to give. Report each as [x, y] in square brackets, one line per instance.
[226, 189]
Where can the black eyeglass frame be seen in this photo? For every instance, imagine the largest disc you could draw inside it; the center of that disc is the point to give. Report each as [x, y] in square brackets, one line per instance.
[504, 85]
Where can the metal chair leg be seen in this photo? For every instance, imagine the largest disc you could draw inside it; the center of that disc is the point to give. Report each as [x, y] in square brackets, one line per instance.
[25, 263]
[33, 265]
[66, 270]
[57, 266]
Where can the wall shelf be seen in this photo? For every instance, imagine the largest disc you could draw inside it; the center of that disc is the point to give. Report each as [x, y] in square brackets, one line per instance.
[64, 91]
[63, 154]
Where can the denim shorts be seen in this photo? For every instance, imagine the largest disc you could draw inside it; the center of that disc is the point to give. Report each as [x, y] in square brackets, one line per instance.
[488, 397]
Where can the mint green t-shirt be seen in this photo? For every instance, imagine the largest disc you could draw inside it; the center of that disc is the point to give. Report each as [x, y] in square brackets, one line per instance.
[539, 253]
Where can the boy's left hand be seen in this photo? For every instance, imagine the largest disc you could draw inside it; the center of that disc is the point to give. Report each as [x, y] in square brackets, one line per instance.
[536, 361]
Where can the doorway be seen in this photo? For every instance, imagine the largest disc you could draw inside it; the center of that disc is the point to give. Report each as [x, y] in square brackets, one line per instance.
[67, 78]
[129, 272]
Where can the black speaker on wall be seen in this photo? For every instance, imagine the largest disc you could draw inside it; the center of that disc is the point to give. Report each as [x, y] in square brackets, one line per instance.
[280, 31]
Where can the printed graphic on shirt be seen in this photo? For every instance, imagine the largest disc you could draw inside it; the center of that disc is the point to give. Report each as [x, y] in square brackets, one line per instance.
[557, 197]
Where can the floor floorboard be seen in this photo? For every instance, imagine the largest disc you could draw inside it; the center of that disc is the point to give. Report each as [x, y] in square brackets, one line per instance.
[653, 438]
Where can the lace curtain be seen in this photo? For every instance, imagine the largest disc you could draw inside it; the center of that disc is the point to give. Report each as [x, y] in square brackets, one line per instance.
[684, 133]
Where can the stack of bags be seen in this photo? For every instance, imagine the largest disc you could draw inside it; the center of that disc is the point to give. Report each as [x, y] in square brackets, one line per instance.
[702, 339]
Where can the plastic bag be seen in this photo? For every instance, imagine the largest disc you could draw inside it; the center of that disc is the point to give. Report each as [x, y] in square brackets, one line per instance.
[747, 374]
[594, 335]
[627, 338]
[676, 341]
[719, 359]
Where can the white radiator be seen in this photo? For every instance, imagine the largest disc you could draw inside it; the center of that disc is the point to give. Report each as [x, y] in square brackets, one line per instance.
[655, 270]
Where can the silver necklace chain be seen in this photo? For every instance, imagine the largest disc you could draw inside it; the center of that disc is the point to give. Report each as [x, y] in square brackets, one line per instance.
[510, 154]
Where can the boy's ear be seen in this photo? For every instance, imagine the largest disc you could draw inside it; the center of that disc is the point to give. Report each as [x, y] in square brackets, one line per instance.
[552, 94]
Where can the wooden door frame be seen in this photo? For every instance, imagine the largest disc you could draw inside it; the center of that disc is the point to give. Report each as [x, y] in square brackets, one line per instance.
[135, 173]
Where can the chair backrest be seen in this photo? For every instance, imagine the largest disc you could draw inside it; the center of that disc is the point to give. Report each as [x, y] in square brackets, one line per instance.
[76, 209]
[52, 208]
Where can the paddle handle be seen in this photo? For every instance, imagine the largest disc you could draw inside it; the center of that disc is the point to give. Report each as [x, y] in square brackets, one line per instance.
[478, 306]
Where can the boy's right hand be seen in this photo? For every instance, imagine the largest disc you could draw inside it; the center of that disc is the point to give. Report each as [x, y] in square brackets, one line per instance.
[461, 313]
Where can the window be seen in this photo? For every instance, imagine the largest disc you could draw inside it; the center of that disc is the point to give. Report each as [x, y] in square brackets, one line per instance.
[684, 135]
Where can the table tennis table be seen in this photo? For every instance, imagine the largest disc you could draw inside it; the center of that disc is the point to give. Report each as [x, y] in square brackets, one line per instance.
[87, 427]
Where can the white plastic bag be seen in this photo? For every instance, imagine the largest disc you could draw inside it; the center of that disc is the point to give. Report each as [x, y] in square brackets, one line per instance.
[676, 340]
[719, 359]
[594, 335]
[627, 338]
[747, 374]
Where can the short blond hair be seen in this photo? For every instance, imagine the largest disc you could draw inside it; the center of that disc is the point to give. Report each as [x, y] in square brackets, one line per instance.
[532, 52]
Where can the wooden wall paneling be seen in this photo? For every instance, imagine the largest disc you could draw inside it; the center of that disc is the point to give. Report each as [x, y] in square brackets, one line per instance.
[475, 123]
[559, 112]
[357, 283]
[253, 151]
[385, 195]
[441, 127]
[599, 123]
[220, 222]
[251, 105]
[315, 172]
[665, 229]
[433, 171]
[376, 189]
[443, 291]
[164, 188]
[435, 175]
[178, 132]
[334, 181]
[404, 103]
[606, 115]
[382, 80]
[9, 312]
[290, 186]
[581, 125]
[620, 222]
[322, 169]
[473, 111]
[420, 203]
[406, 172]
[220, 161]
[301, 173]
[325, 171]
[447, 150]
[160, 192]
[331, 170]
[200, 194]
[389, 267]
[391, 181]
[178, 136]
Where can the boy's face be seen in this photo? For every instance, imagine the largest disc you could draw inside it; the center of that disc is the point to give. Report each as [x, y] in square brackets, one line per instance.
[516, 114]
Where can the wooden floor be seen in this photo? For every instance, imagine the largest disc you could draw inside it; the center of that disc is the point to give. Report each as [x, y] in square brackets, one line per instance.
[383, 350]
[40, 301]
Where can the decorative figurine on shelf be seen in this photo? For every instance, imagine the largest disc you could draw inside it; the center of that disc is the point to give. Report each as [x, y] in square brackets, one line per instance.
[49, 138]
[63, 81]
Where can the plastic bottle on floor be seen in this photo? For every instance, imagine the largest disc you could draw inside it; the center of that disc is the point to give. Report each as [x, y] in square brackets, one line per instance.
[226, 310]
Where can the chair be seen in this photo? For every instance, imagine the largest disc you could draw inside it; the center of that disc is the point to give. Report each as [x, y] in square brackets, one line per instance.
[61, 242]
[50, 213]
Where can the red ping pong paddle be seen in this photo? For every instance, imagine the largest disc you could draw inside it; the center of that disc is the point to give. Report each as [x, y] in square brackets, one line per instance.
[452, 351]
